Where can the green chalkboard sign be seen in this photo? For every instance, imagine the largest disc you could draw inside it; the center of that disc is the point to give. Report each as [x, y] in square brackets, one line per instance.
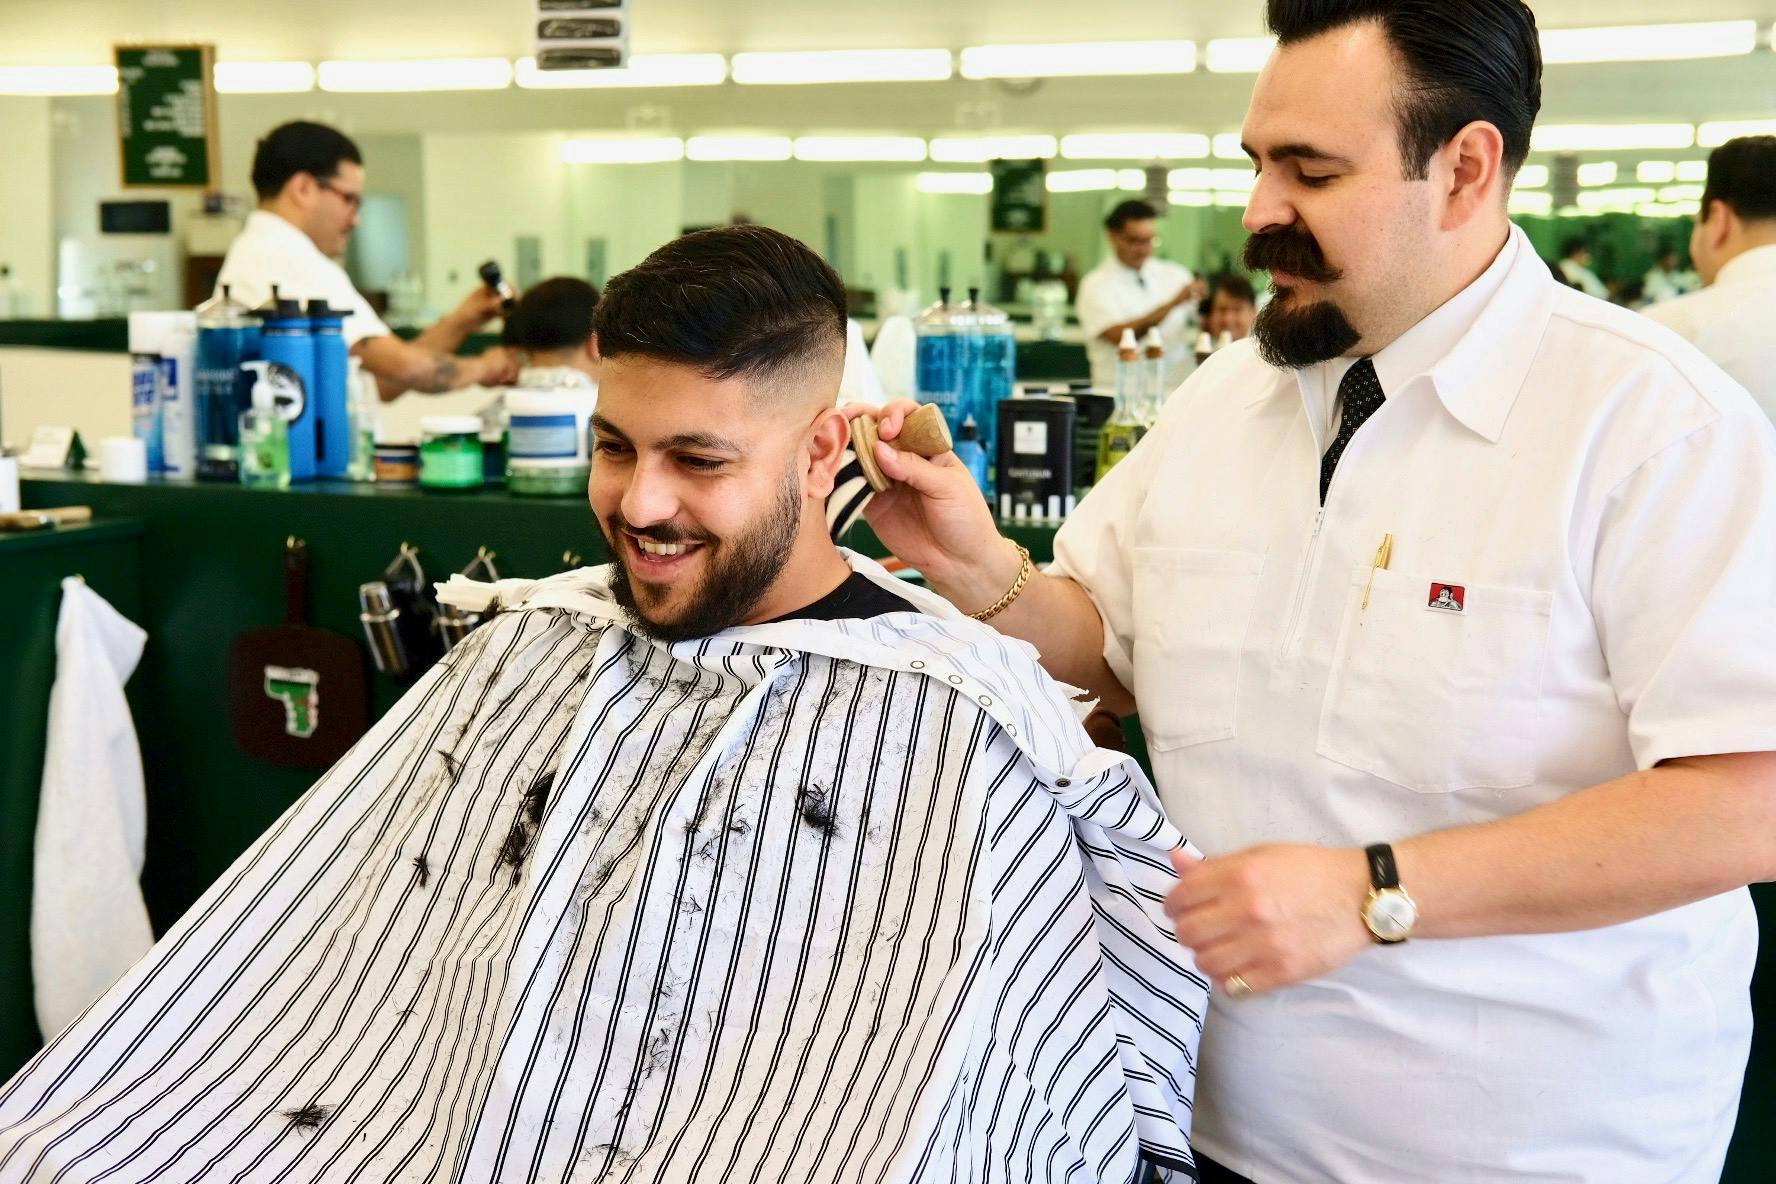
[166, 116]
[1020, 197]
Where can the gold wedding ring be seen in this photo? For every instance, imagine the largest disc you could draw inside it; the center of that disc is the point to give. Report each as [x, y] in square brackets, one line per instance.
[1237, 987]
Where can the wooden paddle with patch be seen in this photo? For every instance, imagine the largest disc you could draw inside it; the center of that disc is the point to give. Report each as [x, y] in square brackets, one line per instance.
[297, 696]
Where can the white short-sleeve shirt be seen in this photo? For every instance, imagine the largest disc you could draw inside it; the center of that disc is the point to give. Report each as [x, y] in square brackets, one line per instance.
[1733, 321]
[1600, 500]
[269, 250]
[1111, 294]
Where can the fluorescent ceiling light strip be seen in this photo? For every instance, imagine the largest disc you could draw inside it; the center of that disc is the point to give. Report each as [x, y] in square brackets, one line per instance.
[443, 74]
[1131, 180]
[1233, 201]
[1078, 59]
[1606, 137]
[1238, 55]
[664, 69]
[1692, 170]
[1718, 132]
[1602, 172]
[1227, 147]
[1531, 203]
[739, 148]
[1082, 180]
[1656, 172]
[1135, 146]
[1671, 193]
[859, 148]
[973, 183]
[1668, 210]
[622, 150]
[1595, 200]
[841, 65]
[1649, 43]
[264, 78]
[58, 80]
[1532, 176]
[978, 149]
[1190, 198]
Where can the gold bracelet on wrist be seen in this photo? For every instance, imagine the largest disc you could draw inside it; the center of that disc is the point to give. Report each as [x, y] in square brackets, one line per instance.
[1004, 602]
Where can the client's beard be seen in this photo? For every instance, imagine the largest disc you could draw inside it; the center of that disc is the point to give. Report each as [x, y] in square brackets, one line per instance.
[740, 570]
[1288, 336]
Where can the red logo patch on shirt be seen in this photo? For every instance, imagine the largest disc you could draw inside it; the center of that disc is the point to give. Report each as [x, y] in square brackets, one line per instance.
[1448, 598]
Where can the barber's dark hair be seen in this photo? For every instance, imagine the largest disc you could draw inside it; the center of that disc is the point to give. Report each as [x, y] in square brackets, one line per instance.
[1572, 245]
[1234, 285]
[554, 314]
[299, 147]
[1133, 210]
[1742, 173]
[1463, 60]
[732, 302]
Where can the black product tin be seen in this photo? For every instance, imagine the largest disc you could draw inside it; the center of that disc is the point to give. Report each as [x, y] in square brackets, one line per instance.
[1035, 476]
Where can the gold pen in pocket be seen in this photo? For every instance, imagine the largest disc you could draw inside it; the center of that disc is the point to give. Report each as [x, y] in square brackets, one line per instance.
[1383, 556]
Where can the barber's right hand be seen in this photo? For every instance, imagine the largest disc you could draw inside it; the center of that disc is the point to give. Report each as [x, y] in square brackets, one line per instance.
[480, 306]
[934, 516]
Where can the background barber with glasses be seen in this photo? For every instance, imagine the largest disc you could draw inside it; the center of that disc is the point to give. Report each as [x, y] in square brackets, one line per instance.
[1134, 290]
[310, 182]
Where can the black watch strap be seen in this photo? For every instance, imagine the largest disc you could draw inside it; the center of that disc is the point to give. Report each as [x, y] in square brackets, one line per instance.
[1382, 871]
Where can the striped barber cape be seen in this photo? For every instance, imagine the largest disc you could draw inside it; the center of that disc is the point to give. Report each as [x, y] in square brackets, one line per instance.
[849, 901]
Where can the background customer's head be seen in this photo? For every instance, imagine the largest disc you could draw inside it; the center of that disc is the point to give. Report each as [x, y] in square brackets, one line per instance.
[552, 324]
[1738, 204]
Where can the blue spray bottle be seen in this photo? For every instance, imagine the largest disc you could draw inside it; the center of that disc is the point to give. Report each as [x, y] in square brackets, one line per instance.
[287, 340]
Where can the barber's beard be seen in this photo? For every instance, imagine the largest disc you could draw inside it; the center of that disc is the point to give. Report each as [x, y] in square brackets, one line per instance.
[737, 571]
[1292, 337]
[1289, 333]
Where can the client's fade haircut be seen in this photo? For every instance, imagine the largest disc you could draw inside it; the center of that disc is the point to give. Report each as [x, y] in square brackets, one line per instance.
[734, 302]
[1460, 60]
[554, 314]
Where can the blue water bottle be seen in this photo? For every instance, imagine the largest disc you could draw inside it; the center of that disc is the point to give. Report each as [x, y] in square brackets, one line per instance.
[288, 341]
[333, 422]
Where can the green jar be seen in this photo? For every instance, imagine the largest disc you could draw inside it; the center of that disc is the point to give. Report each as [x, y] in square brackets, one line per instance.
[450, 452]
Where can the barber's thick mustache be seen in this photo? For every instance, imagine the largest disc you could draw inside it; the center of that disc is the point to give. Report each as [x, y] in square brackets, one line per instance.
[1293, 251]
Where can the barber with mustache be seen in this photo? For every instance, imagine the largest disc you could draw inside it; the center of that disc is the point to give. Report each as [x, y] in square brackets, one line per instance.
[1446, 604]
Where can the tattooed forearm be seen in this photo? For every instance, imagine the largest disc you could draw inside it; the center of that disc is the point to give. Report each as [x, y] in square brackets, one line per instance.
[442, 378]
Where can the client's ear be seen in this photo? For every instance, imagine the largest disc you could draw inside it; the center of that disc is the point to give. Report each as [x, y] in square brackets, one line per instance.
[828, 437]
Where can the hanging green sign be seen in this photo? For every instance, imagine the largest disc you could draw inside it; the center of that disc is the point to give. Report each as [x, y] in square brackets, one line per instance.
[1020, 197]
[166, 116]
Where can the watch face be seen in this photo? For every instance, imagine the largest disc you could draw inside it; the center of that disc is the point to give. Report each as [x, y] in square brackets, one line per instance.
[1391, 915]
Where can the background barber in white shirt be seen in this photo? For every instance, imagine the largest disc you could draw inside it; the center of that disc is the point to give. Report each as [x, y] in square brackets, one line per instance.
[1133, 290]
[1733, 319]
[310, 182]
[1450, 558]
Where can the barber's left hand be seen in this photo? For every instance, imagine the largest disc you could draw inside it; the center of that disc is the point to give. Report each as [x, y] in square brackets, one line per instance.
[1274, 916]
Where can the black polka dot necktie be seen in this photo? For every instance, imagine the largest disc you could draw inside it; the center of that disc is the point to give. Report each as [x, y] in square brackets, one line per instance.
[1359, 394]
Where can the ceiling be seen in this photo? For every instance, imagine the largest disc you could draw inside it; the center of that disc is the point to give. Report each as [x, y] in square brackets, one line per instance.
[72, 31]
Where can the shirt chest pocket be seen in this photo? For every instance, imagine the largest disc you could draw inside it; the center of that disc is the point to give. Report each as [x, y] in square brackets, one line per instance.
[1437, 687]
[1191, 609]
